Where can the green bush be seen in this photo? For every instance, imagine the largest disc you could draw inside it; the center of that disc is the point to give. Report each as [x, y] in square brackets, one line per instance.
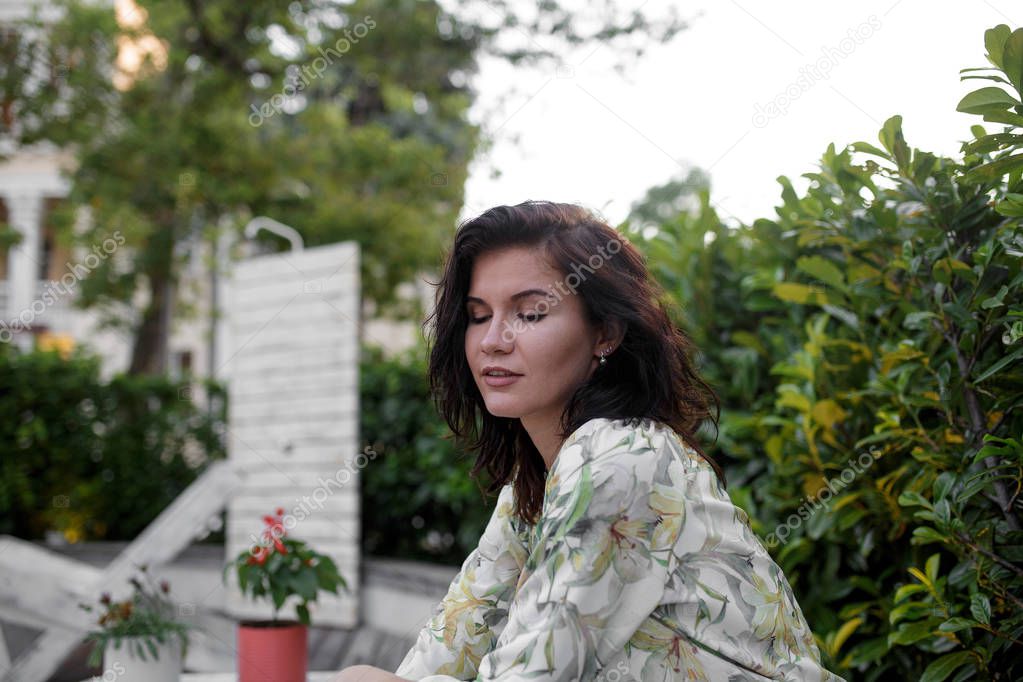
[418, 499]
[866, 346]
[95, 459]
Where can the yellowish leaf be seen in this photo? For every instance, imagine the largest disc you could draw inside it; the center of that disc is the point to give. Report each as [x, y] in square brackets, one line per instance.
[899, 355]
[799, 293]
[773, 448]
[845, 500]
[827, 413]
[843, 634]
[790, 398]
[862, 271]
[813, 483]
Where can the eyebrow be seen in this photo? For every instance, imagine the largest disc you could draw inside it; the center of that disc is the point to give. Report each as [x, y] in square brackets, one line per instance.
[522, 294]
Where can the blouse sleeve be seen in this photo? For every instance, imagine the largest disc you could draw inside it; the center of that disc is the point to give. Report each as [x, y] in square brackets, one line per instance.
[600, 561]
[461, 629]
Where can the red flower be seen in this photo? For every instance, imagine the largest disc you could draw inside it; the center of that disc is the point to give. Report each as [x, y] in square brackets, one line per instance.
[274, 525]
[273, 532]
[259, 556]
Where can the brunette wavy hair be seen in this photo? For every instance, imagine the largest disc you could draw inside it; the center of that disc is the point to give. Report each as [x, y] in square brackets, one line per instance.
[650, 374]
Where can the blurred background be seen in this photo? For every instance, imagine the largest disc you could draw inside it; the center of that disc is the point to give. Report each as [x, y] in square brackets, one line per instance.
[220, 221]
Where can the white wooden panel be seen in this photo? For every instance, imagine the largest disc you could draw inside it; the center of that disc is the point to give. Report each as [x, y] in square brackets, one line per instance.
[326, 537]
[291, 385]
[300, 363]
[294, 313]
[309, 477]
[301, 504]
[339, 548]
[293, 406]
[254, 507]
[278, 439]
[335, 544]
[300, 458]
[338, 404]
[332, 261]
[269, 269]
[296, 412]
[338, 545]
[301, 359]
[254, 461]
[281, 340]
[271, 446]
[329, 292]
[343, 431]
[311, 294]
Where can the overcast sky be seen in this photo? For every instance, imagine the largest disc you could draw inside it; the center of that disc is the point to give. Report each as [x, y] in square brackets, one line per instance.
[838, 69]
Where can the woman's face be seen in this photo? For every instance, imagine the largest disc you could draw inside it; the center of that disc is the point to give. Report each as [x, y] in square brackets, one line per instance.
[543, 337]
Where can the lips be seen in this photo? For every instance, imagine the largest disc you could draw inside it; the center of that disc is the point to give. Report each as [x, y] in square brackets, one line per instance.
[503, 370]
[491, 380]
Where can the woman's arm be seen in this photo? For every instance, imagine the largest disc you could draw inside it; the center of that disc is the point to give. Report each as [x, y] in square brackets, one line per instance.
[459, 632]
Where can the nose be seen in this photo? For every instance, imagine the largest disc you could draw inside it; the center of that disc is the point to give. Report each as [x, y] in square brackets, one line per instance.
[499, 338]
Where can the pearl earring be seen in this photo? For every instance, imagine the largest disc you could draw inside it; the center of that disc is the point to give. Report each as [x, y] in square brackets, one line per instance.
[603, 360]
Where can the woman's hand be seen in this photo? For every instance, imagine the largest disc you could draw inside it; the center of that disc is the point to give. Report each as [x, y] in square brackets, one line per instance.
[367, 673]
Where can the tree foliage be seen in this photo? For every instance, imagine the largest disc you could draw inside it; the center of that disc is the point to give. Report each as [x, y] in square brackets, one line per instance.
[347, 121]
[418, 499]
[866, 343]
[96, 459]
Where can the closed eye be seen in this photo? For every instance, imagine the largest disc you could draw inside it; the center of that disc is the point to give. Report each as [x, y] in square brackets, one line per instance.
[528, 317]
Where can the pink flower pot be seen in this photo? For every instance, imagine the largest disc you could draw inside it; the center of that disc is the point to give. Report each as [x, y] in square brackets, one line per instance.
[271, 651]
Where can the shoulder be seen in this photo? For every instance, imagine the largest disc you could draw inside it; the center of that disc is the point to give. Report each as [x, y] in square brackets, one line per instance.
[641, 446]
[505, 525]
[632, 474]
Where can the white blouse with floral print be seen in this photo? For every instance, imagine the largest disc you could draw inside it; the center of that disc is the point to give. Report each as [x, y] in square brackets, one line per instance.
[639, 568]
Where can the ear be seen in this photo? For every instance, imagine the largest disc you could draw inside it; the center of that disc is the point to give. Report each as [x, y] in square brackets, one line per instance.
[610, 335]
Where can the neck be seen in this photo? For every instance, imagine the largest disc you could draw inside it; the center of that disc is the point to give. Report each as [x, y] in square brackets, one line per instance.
[543, 431]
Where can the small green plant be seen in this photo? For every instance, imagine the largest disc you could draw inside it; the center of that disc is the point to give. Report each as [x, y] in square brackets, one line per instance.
[280, 566]
[148, 615]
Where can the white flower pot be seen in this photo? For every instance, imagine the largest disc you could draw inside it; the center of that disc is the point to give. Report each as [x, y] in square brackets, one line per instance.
[125, 665]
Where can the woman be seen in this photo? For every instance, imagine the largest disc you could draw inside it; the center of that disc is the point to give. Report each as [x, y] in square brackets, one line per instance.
[614, 552]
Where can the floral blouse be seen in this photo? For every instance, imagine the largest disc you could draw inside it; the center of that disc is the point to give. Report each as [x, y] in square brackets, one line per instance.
[639, 568]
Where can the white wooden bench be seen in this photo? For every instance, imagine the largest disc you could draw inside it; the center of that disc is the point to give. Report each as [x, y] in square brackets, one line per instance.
[41, 589]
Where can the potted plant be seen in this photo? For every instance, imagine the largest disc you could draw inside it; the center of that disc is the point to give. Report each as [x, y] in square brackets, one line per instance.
[279, 567]
[140, 639]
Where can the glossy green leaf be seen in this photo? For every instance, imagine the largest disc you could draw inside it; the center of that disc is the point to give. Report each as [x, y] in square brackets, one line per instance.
[985, 99]
[994, 41]
[942, 667]
[1012, 59]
